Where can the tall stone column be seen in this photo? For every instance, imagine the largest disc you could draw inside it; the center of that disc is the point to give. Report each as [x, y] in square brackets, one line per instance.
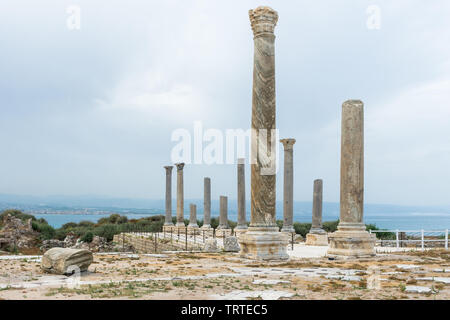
[180, 195]
[288, 186]
[242, 221]
[168, 221]
[193, 217]
[351, 238]
[206, 203]
[263, 239]
[317, 236]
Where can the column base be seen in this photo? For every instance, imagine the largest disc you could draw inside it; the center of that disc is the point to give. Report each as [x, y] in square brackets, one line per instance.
[193, 229]
[180, 228]
[288, 229]
[221, 232]
[240, 232]
[208, 231]
[264, 244]
[169, 228]
[351, 243]
[316, 239]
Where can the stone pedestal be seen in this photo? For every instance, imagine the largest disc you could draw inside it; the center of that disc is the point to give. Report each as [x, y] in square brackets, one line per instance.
[239, 232]
[263, 241]
[264, 244]
[208, 232]
[169, 228]
[351, 239]
[317, 239]
[227, 232]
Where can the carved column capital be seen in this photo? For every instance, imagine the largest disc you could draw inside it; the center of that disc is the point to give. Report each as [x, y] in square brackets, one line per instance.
[263, 21]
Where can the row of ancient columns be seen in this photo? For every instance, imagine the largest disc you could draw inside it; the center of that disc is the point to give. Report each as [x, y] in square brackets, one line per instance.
[223, 228]
[263, 240]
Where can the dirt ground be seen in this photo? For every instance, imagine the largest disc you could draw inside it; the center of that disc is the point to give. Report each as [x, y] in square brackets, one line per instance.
[226, 276]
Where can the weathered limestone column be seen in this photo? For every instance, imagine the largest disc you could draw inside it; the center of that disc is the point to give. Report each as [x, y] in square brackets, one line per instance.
[288, 187]
[168, 224]
[263, 239]
[351, 238]
[193, 225]
[317, 236]
[180, 196]
[242, 221]
[207, 205]
[223, 218]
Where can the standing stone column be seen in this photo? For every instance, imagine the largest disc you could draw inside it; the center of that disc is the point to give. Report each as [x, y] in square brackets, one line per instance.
[168, 221]
[317, 236]
[206, 204]
[180, 195]
[223, 218]
[242, 222]
[263, 239]
[193, 225]
[288, 187]
[351, 238]
[223, 227]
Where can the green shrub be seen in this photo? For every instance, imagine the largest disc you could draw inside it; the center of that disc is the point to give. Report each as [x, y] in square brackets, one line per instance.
[69, 225]
[279, 224]
[330, 226]
[214, 222]
[61, 234]
[381, 235]
[86, 224]
[107, 231]
[87, 237]
[46, 231]
[302, 228]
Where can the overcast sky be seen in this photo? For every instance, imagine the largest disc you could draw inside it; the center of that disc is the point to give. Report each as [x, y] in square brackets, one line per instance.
[91, 111]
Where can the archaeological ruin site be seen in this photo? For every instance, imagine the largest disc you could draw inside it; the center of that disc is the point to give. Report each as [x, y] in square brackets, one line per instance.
[255, 257]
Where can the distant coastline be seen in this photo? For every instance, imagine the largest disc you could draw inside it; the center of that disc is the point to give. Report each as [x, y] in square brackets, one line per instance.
[58, 210]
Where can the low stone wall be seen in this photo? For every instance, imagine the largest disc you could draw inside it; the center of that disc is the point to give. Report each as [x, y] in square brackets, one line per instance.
[146, 243]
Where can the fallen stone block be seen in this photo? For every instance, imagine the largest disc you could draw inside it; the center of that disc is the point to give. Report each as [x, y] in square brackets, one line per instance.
[66, 261]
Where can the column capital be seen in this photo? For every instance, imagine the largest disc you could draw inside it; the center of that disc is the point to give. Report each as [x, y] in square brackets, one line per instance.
[180, 166]
[263, 20]
[288, 144]
[168, 168]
